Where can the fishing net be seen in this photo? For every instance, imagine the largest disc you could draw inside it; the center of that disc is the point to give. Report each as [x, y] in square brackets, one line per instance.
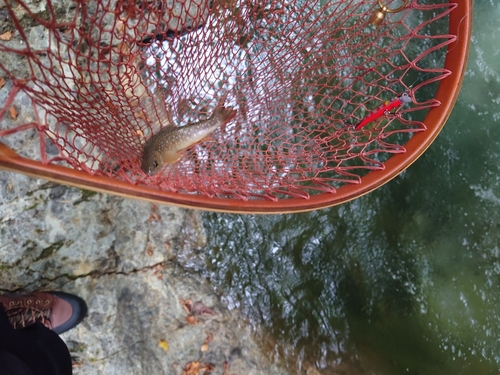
[104, 76]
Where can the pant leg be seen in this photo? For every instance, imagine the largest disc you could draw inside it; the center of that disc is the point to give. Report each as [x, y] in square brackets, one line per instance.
[12, 365]
[40, 349]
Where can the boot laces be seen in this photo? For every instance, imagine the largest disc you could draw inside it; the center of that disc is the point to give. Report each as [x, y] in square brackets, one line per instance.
[31, 311]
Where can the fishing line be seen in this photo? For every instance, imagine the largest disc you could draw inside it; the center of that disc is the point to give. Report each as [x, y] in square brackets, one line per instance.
[450, 42]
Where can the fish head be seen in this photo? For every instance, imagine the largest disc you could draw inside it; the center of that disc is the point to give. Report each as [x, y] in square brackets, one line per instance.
[152, 161]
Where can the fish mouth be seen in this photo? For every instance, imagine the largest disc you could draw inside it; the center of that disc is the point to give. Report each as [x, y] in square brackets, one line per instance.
[147, 171]
[151, 171]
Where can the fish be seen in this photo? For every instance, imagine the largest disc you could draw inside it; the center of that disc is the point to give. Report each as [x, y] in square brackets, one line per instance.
[167, 144]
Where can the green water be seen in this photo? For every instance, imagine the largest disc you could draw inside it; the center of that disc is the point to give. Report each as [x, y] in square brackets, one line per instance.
[405, 280]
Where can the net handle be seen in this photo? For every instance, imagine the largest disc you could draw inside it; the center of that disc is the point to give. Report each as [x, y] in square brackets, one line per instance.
[456, 59]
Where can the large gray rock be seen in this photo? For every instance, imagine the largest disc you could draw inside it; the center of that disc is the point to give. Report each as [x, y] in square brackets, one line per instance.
[126, 259]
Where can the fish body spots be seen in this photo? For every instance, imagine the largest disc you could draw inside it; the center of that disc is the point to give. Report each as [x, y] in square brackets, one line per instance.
[167, 145]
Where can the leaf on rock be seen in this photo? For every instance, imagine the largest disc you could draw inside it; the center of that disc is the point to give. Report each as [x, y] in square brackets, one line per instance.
[191, 368]
[13, 112]
[208, 368]
[195, 368]
[199, 308]
[155, 216]
[6, 36]
[209, 338]
[163, 344]
[186, 305]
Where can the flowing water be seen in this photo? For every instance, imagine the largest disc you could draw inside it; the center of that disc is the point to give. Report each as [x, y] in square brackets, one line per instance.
[405, 280]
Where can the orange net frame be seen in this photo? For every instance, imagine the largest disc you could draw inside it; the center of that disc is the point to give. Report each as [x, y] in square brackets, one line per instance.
[103, 76]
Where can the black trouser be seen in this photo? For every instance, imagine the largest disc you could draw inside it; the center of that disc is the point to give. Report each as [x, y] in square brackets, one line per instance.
[35, 350]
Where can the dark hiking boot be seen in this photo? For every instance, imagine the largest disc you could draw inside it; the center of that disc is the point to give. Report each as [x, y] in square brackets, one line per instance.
[56, 310]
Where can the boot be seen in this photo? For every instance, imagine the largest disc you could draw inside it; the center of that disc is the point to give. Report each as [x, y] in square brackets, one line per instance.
[56, 310]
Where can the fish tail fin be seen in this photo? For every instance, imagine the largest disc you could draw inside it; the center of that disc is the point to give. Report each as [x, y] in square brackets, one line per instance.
[223, 114]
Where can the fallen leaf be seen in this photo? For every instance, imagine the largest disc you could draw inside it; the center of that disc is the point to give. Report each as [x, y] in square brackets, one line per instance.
[163, 344]
[123, 48]
[191, 319]
[6, 36]
[67, 31]
[76, 362]
[104, 53]
[133, 104]
[13, 112]
[149, 250]
[129, 8]
[154, 213]
[208, 368]
[194, 368]
[186, 305]
[209, 338]
[2, 82]
[120, 27]
[198, 308]
[158, 271]
[113, 108]
[139, 114]
[191, 368]
[226, 368]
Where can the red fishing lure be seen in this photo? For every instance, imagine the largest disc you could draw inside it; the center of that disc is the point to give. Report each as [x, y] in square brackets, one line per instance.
[383, 110]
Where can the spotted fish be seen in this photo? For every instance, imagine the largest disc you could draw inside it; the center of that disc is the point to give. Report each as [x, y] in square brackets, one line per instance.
[167, 145]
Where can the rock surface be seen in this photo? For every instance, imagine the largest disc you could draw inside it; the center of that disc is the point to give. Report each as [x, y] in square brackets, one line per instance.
[125, 258]
[128, 259]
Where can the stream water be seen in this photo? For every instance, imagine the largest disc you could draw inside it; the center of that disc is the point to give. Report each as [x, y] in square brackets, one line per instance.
[405, 280]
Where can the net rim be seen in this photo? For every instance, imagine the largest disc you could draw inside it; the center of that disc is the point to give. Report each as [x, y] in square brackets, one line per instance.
[456, 60]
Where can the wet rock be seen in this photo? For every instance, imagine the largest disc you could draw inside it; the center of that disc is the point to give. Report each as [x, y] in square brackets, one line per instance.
[189, 247]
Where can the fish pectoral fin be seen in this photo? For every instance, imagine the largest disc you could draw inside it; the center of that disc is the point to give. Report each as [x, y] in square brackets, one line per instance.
[208, 139]
[171, 157]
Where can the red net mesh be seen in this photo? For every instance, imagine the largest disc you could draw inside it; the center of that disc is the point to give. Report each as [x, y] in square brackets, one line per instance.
[106, 75]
